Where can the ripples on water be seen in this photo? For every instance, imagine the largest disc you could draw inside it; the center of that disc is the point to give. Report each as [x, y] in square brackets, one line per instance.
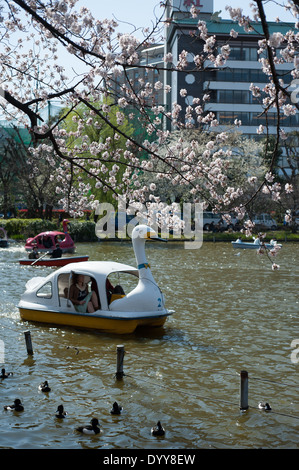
[232, 313]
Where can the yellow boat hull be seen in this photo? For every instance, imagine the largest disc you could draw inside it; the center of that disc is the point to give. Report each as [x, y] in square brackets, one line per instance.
[91, 322]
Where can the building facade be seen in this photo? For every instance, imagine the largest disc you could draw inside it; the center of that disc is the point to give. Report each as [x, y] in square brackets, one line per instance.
[228, 86]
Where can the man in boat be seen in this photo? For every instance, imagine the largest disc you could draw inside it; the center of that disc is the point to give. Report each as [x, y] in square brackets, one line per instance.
[57, 252]
[34, 253]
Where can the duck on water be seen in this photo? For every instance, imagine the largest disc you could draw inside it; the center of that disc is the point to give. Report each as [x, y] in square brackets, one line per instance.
[61, 413]
[92, 428]
[17, 406]
[44, 387]
[5, 375]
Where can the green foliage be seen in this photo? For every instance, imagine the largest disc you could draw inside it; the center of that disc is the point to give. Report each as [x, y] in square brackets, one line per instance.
[83, 231]
[97, 130]
[20, 229]
[25, 228]
[269, 151]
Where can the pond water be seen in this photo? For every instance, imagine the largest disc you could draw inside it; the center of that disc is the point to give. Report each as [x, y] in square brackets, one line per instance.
[232, 313]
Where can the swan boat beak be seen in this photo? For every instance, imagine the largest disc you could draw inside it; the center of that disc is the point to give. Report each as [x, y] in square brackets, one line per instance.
[151, 235]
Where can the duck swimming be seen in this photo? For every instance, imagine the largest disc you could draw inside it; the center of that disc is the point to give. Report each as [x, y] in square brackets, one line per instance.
[4, 375]
[61, 413]
[158, 430]
[17, 406]
[116, 409]
[264, 406]
[44, 387]
[92, 428]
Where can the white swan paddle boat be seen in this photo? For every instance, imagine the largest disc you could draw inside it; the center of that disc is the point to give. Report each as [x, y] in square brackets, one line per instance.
[255, 245]
[46, 299]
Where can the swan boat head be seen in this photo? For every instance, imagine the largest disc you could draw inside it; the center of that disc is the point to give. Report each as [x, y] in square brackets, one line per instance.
[147, 295]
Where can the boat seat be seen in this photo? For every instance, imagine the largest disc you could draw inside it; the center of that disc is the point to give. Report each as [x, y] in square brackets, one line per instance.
[116, 296]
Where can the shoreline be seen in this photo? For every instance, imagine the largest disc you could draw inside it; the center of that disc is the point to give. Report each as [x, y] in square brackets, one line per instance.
[19, 230]
[281, 237]
[209, 238]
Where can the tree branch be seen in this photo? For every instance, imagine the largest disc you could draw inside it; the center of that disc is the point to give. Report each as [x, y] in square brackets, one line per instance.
[57, 34]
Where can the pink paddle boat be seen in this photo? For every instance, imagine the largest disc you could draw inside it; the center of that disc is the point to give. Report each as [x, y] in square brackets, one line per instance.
[46, 241]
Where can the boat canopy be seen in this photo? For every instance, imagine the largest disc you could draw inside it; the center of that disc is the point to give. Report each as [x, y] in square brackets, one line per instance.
[53, 286]
[99, 270]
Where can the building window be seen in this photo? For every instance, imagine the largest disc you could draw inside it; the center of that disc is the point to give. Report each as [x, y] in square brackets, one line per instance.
[236, 53]
[232, 96]
[243, 75]
[250, 53]
[242, 53]
[290, 121]
[255, 119]
[244, 117]
[226, 117]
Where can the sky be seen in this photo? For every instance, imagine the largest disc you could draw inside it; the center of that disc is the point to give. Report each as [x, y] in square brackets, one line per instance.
[141, 12]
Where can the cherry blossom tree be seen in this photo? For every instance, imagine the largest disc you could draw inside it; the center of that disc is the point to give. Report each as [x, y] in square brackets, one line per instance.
[8, 173]
[241, 160]
[36, 35]
[26, 176]
[290, 199]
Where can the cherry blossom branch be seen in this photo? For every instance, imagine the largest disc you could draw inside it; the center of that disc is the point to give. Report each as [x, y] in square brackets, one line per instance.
[270, 53]
[75, 163]
[140, 145]
[54, 31]
[22, 107]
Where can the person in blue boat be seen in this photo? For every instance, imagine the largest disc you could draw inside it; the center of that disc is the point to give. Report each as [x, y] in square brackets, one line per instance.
[82, 299]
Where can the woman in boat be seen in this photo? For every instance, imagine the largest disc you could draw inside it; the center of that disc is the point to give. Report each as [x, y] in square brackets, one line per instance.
[83, 300]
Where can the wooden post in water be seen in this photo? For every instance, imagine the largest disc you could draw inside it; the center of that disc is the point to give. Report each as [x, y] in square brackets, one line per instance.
[28, 342]
[244, 390]
[120, 361]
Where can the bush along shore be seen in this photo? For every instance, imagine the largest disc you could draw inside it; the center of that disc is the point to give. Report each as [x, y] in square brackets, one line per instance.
[21, 229]
[84, 231]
